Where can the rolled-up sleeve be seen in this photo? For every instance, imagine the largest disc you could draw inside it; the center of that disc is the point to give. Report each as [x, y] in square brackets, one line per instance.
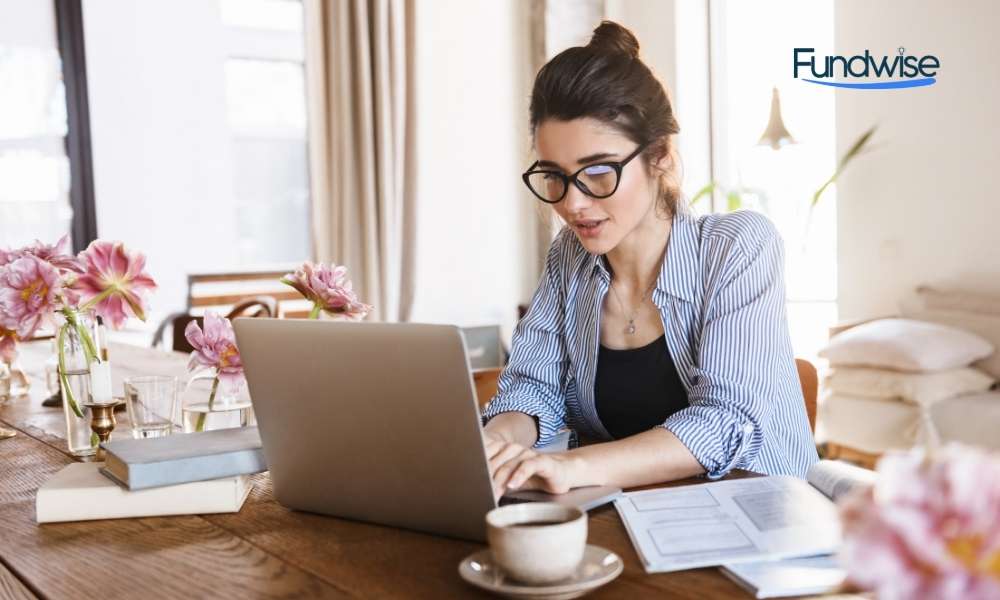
[744, 346]
[532, 381]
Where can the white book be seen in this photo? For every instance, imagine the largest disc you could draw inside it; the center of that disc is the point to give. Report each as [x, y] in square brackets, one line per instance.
[836, 478]
[804, 576]
[79, 492]
[739, 520]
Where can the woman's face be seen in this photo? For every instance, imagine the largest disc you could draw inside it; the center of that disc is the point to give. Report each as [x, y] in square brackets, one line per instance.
[599, 224]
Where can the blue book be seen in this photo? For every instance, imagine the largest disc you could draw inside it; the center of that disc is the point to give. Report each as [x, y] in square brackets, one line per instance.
[184, 458]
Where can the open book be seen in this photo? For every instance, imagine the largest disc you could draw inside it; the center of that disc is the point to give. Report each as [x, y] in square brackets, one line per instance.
[811, 574]
[738, 520]
[836, 479]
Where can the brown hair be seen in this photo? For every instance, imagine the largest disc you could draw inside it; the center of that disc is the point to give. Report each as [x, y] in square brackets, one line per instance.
[606, 80]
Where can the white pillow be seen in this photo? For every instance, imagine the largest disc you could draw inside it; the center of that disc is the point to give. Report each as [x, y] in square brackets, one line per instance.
[915, 388]
[906, 345]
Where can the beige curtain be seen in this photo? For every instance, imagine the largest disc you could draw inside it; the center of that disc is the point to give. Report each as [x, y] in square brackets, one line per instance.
[360, 59]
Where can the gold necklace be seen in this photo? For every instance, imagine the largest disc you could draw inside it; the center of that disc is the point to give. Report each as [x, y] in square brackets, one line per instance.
[630, 330]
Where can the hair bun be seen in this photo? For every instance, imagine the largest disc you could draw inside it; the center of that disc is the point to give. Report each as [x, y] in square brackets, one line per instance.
[613, 38]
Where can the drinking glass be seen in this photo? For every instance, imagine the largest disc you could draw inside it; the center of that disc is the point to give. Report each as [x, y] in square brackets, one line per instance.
[151, 401]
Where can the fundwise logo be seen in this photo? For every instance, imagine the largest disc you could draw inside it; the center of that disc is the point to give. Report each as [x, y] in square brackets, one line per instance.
[914, 71]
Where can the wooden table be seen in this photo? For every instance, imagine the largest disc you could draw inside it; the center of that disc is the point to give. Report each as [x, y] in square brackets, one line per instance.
[264, 551]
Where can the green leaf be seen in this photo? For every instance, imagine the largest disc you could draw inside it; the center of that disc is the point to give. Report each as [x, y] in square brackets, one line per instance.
[733, 201]
[705, 191]
[856, 148]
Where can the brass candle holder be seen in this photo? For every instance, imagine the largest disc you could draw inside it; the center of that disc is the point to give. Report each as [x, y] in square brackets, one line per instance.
[102, 422]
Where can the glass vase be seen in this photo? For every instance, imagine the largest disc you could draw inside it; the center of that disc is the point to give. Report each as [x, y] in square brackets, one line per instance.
[226, 410]
[13, 380]
[4, 382]
[74, 374]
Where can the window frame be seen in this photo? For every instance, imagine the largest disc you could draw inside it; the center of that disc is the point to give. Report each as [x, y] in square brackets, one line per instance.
[69, 34]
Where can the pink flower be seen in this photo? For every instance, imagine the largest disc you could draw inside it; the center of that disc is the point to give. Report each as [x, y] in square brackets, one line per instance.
[114, 282]
[215, 347]
[927, 530]
[329, 289]
[30, 292]
[56, 255]
[8, 345]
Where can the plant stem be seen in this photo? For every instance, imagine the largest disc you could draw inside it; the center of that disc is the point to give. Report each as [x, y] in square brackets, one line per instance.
[211, 401]
[93, 301]
[89, 349]
[314, 313]
[62, 372]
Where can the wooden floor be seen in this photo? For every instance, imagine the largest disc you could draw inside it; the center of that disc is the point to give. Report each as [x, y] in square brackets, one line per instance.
[264, 551]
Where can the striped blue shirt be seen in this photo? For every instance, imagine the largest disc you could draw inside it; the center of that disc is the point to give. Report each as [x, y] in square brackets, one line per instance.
[721, 296]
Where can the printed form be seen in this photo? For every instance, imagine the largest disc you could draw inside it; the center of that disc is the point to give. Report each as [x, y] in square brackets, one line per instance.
[732, 521]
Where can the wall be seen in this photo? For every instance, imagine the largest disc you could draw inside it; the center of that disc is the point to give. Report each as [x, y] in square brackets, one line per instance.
[475, 250]
[474, 236]
[921, 206]
[161, 143]
[673, 41]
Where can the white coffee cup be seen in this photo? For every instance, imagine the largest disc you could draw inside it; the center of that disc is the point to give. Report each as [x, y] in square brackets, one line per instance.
[537, 542]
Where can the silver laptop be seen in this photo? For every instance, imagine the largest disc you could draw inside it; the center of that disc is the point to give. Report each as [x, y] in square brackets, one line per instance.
[376, 422]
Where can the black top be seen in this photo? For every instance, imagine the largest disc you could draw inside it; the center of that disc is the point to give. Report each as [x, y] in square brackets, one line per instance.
[637, 389]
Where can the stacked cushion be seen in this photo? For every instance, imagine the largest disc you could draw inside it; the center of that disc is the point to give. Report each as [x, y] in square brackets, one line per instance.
[891, 380]
[906, 345]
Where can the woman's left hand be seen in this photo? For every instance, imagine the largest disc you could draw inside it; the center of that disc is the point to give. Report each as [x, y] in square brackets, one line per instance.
[515, 467]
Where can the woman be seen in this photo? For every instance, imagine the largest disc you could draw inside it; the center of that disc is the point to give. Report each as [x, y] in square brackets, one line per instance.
[661, 334]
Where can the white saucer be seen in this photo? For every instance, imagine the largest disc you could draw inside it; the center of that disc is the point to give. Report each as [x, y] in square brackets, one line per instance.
[598, 567]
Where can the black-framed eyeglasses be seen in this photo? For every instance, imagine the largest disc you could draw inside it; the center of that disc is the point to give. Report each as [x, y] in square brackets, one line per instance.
[598, 180]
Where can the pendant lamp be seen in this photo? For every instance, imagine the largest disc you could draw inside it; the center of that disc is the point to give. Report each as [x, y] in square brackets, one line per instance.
[775, 135]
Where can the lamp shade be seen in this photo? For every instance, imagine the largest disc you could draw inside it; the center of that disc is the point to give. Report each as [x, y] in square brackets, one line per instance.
[775, 135]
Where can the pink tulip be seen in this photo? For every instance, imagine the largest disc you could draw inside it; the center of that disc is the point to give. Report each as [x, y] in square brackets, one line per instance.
[927, 530]
[329, 290]
[113, 282]
[215, 347]
[30, 292]
[57, 255]
[8, 345]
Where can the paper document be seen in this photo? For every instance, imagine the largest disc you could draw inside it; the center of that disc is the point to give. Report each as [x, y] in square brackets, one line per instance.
[761, 518]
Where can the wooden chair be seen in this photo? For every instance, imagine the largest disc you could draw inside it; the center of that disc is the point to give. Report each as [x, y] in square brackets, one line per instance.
[486, 381]
[809, 381]
[260, 306]
[486, 386]
[221, 292]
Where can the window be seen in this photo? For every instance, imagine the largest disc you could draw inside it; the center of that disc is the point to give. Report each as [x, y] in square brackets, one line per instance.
[198, 120]
[751, 54]
[34, 168]
[266, 110]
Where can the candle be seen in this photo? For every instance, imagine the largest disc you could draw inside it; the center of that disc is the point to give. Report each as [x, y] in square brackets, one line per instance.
[100, 382]
[102, 339]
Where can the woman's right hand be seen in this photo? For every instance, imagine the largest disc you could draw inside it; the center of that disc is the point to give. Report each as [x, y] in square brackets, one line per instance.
[499, 452]
[506, 436]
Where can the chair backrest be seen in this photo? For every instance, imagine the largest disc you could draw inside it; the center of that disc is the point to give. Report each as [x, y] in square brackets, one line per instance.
[809, 380]
[260, 306]
[221, 292]
[486, 381]
[486, 386]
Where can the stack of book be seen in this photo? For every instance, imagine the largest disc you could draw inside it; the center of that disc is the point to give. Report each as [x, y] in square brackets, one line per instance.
[183, 474]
